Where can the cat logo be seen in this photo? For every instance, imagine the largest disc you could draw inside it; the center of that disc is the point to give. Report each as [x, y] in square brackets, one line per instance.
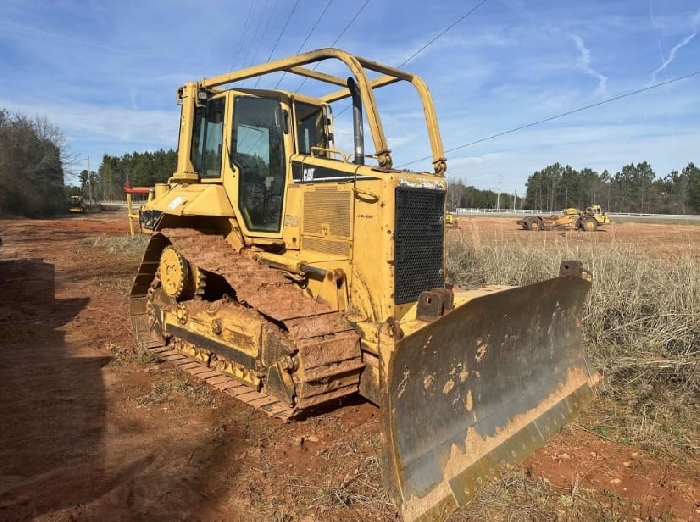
[308, 173]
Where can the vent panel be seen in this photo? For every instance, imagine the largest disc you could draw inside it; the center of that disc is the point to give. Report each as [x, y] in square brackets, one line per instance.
[328, 212]
[419, 242]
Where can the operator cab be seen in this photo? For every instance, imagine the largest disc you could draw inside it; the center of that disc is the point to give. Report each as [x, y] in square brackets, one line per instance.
[256, 150]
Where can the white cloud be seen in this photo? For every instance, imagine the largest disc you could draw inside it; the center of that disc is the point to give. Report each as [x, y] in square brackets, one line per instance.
[672, 55]
[398, 141]
[27, 32]
[584, 63]
[105, 123]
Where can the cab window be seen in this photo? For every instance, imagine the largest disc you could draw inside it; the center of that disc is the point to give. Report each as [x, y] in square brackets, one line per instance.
[311, 131]
[258, 155]
[207, 136]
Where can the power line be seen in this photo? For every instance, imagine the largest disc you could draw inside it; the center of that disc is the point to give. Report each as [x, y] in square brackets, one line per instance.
[279, 37]
[563, 114]
[347, 26]
[449, 28]
[240, 38]
[431, 42]
[256, 33]
[313, 28]
[264, 31]
[359, 11]
[318, 20]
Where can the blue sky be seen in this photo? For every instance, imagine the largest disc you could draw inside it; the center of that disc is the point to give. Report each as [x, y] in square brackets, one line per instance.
[106, 73]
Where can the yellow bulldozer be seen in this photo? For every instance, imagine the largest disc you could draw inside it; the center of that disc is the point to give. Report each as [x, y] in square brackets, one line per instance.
[291, 275]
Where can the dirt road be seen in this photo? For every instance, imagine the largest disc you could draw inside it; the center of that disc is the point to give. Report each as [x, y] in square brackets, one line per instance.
[91, 431]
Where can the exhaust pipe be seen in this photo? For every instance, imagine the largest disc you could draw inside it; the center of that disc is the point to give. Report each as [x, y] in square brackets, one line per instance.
[358, 129]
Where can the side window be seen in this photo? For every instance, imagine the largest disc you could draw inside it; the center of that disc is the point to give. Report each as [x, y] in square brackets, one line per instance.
[310, 128]
[207, 136]
[258, 153]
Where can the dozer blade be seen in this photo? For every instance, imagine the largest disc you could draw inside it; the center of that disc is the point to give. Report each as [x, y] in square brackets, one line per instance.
[480, 389]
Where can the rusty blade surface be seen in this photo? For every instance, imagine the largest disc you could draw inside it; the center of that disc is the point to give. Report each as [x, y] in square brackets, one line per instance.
[479, 390]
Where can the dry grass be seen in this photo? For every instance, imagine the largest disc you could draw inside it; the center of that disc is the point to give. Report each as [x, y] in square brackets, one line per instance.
[516, 497]
[641, 327]
[127, 247]
[358, 495]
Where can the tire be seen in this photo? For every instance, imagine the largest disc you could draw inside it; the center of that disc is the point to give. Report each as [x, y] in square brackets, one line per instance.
[535, 225]
[589, 224]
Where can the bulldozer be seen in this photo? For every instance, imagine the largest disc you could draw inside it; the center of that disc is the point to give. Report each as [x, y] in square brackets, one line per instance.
[293, 275]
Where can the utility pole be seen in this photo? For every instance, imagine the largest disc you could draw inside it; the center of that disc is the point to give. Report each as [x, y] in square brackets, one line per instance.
[89, 181]
[498, 197]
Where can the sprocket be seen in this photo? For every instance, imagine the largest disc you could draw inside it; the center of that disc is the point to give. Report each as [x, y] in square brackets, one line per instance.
[174, 272]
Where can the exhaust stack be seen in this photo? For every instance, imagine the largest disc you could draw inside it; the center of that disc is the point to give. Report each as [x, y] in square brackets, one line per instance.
[358, 129]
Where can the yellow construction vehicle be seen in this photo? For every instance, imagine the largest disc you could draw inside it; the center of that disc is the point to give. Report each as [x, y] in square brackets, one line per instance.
[76, 204]
[601, 218]
[451, 221]
[570, 218]
[291, 274]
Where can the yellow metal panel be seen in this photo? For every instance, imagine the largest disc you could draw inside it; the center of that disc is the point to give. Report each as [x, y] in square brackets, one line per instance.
[237, 330]
[195, 200]
[291, 222]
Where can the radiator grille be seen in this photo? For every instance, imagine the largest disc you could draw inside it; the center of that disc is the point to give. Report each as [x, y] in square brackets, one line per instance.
[418, 242]
[326, 246]
[327, 211]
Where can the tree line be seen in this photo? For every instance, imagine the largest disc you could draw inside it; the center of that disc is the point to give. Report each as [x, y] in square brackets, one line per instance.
[33, 152]
[140, 169]
[635, 188]
[460, 195]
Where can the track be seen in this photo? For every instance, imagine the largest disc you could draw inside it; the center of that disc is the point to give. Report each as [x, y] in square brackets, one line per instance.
[237, 388]
[324, 344]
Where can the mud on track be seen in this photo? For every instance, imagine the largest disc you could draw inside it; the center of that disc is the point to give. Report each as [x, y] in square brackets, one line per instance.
[90, 431]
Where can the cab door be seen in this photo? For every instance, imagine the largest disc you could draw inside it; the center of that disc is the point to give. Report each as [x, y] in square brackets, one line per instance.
[258, 155]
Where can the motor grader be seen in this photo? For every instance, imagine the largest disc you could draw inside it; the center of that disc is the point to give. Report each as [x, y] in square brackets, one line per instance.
[291, 275]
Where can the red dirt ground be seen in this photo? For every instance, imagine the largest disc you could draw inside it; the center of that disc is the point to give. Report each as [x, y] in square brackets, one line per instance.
[656, 487]
[89, 432]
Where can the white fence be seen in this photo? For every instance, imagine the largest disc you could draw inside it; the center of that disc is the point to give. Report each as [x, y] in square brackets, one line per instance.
[493, 211]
